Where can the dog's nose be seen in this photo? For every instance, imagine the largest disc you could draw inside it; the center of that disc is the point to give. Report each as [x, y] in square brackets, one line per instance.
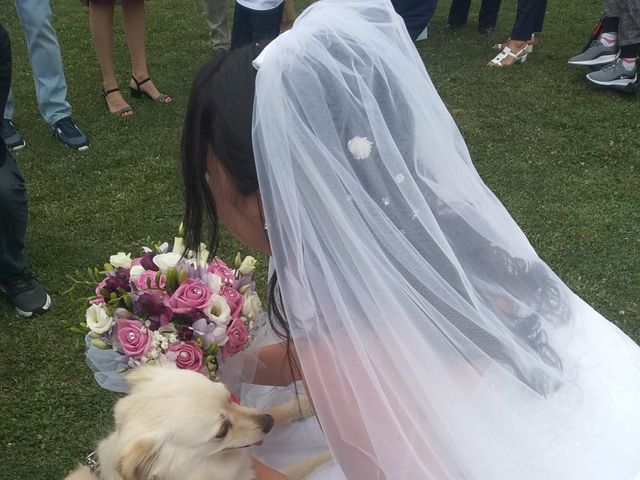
[266, 421]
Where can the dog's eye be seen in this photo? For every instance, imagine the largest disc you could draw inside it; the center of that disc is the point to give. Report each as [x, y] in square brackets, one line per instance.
[224, 430]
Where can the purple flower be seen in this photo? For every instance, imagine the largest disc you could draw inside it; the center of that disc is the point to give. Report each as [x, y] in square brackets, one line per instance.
[185, 333]
[116, 281]
[210, 333]
[154, 304]
[196, 314]
[146, 261]
[244, 280]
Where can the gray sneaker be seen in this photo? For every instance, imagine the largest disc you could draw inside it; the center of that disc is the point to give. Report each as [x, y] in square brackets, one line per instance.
[27, 294]
[597, 55]
[68, 133]
[615, 76]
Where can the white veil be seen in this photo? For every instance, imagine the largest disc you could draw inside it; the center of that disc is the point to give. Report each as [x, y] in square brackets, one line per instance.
[435, 343]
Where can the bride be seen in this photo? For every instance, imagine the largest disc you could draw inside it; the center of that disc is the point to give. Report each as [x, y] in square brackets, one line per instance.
[433, 341]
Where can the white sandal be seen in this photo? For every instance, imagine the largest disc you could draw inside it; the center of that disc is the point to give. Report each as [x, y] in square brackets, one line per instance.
[519, 57]
[530, 44]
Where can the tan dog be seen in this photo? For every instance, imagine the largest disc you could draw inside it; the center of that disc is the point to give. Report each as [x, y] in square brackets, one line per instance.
[178, 425]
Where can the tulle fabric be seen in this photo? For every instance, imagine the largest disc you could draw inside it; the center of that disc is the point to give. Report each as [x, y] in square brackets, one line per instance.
[435, 343]
[108, 367]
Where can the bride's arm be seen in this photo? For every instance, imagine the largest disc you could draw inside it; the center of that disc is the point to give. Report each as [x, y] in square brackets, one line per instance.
[276, 367]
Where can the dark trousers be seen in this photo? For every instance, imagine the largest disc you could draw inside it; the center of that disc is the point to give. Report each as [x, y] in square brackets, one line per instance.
[250, 26]
[487, 18]
[416, 14]
[529, 19]
[14, 202]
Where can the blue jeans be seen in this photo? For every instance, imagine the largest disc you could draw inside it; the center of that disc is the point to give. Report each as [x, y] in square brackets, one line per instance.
[46, 61]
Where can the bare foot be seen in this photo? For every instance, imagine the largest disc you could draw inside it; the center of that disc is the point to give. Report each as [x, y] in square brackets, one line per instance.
[150, 89]
[117, 104]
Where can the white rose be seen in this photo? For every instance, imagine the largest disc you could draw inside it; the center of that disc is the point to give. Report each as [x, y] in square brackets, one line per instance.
[166, 261]
[121, 260]
[219, 313]
[214, 282]
[248, 265]
[252, 305]
[178, 245]
[360, 147]
[136, 270]
[98, 320]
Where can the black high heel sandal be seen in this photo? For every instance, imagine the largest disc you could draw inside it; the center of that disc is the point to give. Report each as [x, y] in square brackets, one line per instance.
[122, 111]
[138, 92]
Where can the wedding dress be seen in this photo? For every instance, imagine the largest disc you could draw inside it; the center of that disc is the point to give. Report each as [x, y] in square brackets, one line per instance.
[436, 344]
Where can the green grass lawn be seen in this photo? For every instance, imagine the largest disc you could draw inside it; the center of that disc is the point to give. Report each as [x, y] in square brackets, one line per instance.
[562, 156]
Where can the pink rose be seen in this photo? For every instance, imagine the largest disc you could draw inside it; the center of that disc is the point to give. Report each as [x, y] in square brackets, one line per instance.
[141, 280]
[188, 355]
[238, 338]
[134, 338]
[234, 299]
[225, 273]
[191, 294]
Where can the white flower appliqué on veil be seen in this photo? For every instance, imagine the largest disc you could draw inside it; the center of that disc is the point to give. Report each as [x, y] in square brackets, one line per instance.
[360, 147]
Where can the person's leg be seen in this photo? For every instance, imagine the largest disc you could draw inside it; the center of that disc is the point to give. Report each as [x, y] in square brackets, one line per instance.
[603, 50]
[265, 24]
[46, 60]
[416, 14]
[517, 47]
[133, 13]
[101, 26]
[623, 73]
[629, 29]
[458, 13]
[13, 218]
[538, 20]
[215, 11]
[526, 18]
[488, 16]
[13, 193]
[27, 295]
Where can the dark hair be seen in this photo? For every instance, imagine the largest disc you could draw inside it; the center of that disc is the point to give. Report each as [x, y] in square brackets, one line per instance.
[218, 122]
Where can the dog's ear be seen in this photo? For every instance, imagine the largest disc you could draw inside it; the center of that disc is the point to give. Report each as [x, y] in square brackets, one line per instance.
[138, 460]
[139, 376]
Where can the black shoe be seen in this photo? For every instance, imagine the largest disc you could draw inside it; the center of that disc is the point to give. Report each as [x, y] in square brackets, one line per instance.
[11, 136]
[454, 27]
[486, 31]
[68, 133]
[27, 295]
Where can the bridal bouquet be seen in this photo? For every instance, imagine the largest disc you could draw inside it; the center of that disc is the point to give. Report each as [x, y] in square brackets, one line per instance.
[165, 306]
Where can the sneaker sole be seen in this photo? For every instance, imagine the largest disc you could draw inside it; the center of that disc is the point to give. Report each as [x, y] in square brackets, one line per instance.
[614, 83]
[604, 60]
[17, 147]
[39, 311]
[78, 149]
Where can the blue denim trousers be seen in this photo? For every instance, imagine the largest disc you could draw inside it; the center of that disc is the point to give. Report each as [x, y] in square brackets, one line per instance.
[46, 61]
